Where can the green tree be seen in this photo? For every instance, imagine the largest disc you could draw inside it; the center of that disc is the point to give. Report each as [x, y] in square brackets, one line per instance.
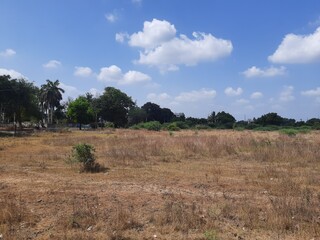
[18, 99]
[114, 106]
[136, 115]
[166, 115]
[270, 119]
[224, 120]
[50, 97]
[153, 111]
[79, 111]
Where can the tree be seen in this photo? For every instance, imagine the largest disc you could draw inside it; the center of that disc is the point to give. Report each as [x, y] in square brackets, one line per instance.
[50, 97]
[79, 111]
[224, 120]
[136, 115]
[18, 99]
[269, 119]
[166, 115]
[114, 106]
[153, 111]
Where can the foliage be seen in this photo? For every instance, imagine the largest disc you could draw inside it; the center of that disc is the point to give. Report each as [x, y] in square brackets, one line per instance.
[84, 153]
[269, 119]
[224, 120]
[79, 111]
[50, 97]
[156, 113]
[114, 106]
[136, 115]
[152, 126]
[173, 127]
[18, 99]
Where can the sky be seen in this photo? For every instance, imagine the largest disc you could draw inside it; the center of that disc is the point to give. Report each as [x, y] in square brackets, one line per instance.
[244, 57]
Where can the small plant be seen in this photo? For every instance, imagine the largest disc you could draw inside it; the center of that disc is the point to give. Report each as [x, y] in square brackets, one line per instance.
[84, 153]
[211, 235]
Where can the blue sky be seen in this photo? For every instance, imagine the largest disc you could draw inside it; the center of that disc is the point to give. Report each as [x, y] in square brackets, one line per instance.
[245, 57]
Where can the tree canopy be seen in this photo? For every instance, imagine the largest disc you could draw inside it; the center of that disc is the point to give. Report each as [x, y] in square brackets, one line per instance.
[114, 106]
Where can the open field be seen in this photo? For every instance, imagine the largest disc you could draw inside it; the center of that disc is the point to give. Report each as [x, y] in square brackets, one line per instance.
[203, 185]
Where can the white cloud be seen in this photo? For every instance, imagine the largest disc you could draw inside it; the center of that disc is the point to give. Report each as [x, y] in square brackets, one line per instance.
[154, 33]
[114, 74]
[268, 72]
[184, 51]
[111, 17]
[136, 1]
[153, 97]
[8, 52]
[69, 91]
[13, 73]
[298, 49]
[121, 37]
[312, 92]
[95, 92]
[52, 64]
[164, 50]
[229, 91]
[256, 95]
[132, 77]
[82, 72]
[196, 95]
[287, 94]
[242, 101]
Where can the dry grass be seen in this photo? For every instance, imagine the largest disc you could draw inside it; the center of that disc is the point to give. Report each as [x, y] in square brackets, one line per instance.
[190, 185]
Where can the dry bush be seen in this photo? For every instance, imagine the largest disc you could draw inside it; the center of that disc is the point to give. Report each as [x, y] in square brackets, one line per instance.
[182, 216]
[15, 218]
[85, 213]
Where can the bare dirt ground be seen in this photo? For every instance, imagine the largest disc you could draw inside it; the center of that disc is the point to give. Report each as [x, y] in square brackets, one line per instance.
[203, 185]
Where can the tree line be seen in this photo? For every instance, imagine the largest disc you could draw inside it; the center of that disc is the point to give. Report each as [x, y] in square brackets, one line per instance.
[21, 100]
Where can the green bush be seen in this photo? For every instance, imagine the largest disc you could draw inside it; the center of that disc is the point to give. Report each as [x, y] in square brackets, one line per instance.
[211, 235]
[84, 154]
[173, 127]
[152, 126]
[289, 131]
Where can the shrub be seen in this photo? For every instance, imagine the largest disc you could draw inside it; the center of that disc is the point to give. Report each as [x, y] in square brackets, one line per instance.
[289, 131]
[173, 127]
[84, 153]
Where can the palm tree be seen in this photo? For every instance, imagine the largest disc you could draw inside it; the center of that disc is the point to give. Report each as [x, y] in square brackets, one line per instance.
[50, 97]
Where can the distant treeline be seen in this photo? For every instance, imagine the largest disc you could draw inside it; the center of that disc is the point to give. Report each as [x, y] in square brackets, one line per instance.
[21, 101]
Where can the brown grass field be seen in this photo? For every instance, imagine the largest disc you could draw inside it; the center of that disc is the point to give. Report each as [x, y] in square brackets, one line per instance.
[204, 185]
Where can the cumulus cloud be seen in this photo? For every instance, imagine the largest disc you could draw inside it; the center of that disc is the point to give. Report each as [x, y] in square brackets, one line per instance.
[82, 72]
[229, 91]
[256, 95]
[196, 95]
[287, 94]
[115, 74]
[52, 64]
[154, 33]
[8, 52]
[298, 49]
[13, 73]
[267, 72]
[163, 49]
